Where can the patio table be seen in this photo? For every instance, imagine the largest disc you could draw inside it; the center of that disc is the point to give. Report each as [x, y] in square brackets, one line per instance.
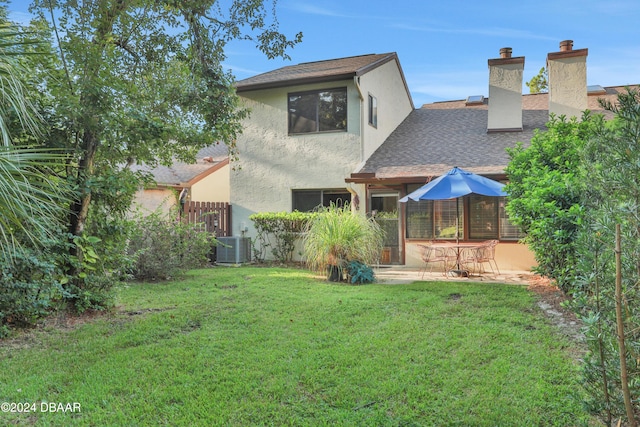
[461, 252]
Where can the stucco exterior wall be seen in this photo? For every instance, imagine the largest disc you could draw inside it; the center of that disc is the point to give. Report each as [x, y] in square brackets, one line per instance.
[214, 187]
[505, 96]
[568, 86]
[272, 163]
[394, 104]
[153, 199]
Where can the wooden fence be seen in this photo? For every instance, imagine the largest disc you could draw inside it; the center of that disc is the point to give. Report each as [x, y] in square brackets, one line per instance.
[215, 217]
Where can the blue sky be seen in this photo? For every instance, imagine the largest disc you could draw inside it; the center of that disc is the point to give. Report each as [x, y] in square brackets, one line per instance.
[443, 46]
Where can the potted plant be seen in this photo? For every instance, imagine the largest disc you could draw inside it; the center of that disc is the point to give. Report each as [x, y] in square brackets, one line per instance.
[336, 236]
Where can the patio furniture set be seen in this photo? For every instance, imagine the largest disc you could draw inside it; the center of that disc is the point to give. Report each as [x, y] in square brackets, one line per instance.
[461, 258]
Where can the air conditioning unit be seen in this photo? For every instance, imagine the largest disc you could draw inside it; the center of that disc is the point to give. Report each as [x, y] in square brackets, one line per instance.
[233, 250]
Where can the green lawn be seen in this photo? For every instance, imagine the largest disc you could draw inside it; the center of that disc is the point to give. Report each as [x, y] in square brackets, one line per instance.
[266, 346]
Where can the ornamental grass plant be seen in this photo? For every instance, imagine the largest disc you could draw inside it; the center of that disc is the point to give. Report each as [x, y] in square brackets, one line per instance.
[337, 235]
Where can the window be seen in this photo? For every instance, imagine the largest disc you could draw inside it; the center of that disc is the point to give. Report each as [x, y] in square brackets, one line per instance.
[318, 111]
[508, 231]
[309, 200]
[373, 111]
[435, 219]
[483, 217]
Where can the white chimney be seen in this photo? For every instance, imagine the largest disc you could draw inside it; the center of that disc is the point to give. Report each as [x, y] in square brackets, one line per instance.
[567, 71]
[505, 92]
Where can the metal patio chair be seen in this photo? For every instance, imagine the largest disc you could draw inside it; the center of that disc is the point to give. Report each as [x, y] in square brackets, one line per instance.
[486, 254]
[434, 255]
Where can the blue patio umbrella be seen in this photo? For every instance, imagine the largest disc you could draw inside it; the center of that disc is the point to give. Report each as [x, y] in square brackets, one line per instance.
[454, 184]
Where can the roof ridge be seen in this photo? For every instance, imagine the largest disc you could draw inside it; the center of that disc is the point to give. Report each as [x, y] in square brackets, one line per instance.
[343, 58]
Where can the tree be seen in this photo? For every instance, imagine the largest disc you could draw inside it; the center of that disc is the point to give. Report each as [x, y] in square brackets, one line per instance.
[606, 291]
[142, 81]
[576, 193]
[540, 82]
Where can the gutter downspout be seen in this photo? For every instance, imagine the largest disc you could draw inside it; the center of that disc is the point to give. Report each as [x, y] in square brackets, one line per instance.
[355, 199]
[356, 82]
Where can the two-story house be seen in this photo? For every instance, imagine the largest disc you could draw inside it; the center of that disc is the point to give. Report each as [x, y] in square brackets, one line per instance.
[346, 129]
[311, 126]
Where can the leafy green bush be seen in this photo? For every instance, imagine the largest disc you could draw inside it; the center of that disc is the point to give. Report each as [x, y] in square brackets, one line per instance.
[359, 273]
[336, 236]
[546, 195]
[163, 246]
[29, 288]
[284, 228]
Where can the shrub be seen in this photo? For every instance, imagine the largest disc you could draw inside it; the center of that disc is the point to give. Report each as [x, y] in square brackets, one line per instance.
[29, 287]
[546, 193]
[164, 247]
[283, 227]
[359, 273]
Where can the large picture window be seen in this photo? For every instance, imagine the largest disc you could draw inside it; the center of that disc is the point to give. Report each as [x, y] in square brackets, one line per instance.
[433, 219]
[310, 200]
[436, 219]
[318, 111]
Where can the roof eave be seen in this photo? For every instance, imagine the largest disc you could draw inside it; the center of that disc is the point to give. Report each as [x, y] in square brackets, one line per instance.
[294, 82]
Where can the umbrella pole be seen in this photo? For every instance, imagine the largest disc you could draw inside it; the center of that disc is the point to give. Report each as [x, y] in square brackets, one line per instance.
[458, 232]
[458, 271]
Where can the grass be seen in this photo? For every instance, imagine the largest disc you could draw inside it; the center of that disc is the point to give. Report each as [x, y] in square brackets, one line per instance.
[267, 346]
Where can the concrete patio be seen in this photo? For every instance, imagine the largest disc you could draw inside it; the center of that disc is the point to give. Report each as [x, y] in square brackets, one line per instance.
[404, 275]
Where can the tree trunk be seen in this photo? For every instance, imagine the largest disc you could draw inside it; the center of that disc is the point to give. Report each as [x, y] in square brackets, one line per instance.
[80, 207]
[621, 344]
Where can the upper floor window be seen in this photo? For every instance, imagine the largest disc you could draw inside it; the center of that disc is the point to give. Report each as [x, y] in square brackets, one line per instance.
[373, 111]
[318, 111]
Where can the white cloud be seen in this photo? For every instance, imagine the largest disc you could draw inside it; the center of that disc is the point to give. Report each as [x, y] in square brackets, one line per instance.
[493, 32]
[314, 10]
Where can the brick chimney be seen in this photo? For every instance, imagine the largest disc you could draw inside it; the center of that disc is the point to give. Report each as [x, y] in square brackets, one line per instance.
[505, 92]
[567, 71]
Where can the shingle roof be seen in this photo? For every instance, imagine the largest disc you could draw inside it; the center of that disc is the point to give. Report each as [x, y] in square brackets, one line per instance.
[180, 173]
[439, 136]
[313, 72]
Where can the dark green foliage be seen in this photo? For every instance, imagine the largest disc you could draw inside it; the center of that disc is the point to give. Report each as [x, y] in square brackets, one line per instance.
[612, 166]
[568, 191]
[162, 246]
[359, 273]
[28, 288]
[546, 195]
[278, 231]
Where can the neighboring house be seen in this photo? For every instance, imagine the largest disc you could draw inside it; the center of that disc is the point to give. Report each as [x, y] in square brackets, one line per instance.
[285, 167]
[207, 180]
